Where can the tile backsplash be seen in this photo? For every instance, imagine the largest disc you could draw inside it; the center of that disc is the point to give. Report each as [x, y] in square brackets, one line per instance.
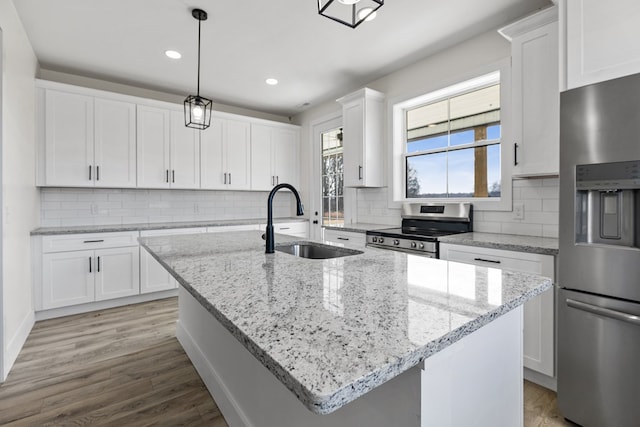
[539, 197]
[88, 206]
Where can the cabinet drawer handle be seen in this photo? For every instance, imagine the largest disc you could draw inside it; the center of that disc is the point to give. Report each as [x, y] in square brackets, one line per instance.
[97, 173]
[360, 172]
[89, 172]
[285, 228]
[342, 238]
[98, 264]
[493, 261]
[90, 265]
[515, 154]
[94, 241]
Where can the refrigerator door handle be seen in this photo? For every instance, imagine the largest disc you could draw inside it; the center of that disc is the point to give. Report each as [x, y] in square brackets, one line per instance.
[617, 315]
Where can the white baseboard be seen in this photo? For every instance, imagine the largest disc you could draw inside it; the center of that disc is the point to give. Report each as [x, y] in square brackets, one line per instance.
[102, 305]
[16, 342]
[536, 377]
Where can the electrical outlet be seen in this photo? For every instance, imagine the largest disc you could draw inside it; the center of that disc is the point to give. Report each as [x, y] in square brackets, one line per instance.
[518, 211]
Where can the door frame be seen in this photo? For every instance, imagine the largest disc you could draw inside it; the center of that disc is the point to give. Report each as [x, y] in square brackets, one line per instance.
[318, 127]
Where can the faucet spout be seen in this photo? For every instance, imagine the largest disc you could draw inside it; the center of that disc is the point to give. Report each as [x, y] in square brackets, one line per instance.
[270, 240]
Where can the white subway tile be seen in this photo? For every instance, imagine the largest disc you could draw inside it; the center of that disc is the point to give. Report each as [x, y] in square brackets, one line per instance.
[551, 205]
[524, 229]
[550, 230]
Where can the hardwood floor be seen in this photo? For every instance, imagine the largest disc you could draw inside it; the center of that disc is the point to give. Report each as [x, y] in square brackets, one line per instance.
[121, 367]
[124, 367]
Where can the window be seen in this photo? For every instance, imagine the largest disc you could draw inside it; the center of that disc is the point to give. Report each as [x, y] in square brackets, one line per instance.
[447, 143]
[332, 178]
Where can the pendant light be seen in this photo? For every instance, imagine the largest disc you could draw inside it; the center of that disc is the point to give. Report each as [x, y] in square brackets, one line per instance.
[349, 12]
[197, 109]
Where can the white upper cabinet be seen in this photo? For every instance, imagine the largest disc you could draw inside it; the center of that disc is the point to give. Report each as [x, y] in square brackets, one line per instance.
[362, 123]
[226, 155]
[600, 40]
[153, 147]
[115, 143]
[185, 153]
[535, 93]
[274, 156]
[86, 141]
[168, 151]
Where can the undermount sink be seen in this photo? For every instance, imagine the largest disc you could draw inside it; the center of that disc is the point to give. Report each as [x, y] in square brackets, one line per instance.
[315, 250]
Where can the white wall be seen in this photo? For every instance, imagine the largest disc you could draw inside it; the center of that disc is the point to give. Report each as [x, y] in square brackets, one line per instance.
[87, 206]
[20, 205]
[437, 71]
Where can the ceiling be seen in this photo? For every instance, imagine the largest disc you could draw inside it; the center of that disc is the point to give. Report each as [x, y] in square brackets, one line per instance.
[245, 42]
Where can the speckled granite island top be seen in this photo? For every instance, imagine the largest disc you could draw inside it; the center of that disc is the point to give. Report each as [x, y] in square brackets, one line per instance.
[332, 330]
[509, 242]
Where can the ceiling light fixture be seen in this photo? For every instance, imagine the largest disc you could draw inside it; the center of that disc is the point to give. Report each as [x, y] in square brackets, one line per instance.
[197, 109]
[349, 12]
[173, 54]
[271, 81]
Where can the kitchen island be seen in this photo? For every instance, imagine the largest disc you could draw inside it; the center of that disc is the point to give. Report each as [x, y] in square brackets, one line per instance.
[380, 338]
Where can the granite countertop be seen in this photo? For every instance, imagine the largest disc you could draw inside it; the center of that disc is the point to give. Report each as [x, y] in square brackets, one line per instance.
[361, 227]
[510, 242]
[43, 231]
[332, 330]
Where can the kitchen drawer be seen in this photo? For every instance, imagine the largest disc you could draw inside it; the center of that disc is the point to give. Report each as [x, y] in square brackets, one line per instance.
[518, 261]
[78, 242]
[345, 237]
[297, 229]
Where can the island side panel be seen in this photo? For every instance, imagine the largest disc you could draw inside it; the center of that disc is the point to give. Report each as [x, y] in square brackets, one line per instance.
[477, 381]
[250, 396]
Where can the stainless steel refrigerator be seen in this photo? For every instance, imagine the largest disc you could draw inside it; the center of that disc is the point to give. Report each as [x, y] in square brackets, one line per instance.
[599, 258]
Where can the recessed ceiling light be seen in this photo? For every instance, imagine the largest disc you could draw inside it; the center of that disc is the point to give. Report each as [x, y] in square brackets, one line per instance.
[271, 81]
[173, 54]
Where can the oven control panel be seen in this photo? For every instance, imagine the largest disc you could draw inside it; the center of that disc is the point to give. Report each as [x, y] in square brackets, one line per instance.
[428, 248]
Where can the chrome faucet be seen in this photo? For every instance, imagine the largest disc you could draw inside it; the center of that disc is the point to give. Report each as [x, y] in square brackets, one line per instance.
[270, 246]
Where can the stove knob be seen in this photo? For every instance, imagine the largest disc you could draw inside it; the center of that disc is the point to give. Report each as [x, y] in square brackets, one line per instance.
[421, 245]
[380, 240]
[413, 244]
[396, 242]
[374, 239]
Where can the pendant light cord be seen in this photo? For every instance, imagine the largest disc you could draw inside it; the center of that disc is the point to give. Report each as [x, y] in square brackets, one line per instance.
[199, 25]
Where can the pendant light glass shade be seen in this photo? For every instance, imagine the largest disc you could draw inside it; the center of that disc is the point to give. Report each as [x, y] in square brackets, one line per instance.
[349, 12]
[197, 109]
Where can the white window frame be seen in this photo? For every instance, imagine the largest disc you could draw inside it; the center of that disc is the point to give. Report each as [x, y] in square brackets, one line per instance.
[461, 84]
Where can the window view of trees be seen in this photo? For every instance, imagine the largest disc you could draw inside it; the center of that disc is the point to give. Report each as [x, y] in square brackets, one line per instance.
[332, 178]
[453, 146]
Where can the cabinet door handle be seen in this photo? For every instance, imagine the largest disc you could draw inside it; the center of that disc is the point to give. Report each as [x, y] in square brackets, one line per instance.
[167, 175]
[515, 154]
[98, 264]
[89, 172]
[277, 180]
[97, 173]
[173, 175]
[360, 172]
[94, 241]
[229, 178]
[342, 238]
[273, 180]
[90, 265]
[225, 177]
[492, 261]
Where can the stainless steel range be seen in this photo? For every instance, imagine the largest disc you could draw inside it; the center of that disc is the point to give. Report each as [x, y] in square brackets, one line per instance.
[422, 225]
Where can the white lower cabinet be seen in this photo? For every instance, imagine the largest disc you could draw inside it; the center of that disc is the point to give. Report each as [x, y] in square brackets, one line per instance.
[153, 276]
[344, 237]
[296, 229]
[539, 339]
[78, 269]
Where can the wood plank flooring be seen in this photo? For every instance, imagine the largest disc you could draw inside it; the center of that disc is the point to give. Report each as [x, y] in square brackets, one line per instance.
[124, 367]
